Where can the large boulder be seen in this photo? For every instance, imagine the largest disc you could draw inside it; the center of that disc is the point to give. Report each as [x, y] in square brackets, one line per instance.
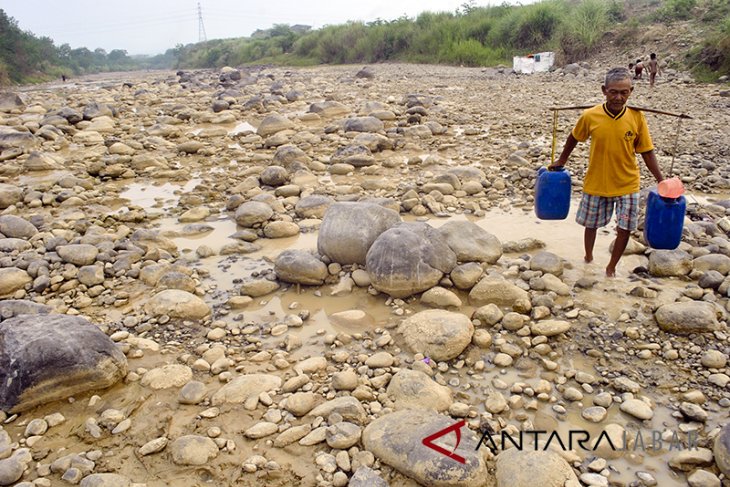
[363, 124]
[15, 227]
[497, 290]
[12, 279]
[407, 259]
[670, 263]
[11, 101]
[252, 213]
[45, 358]
[397, 439]
[715, 262]
[439, 334]
[547, 262]
[300, 267]
[16, 139]
[349, 229]
[688, 317]
[329, 109]
[471, 243]
[9, 195]
[529, 468]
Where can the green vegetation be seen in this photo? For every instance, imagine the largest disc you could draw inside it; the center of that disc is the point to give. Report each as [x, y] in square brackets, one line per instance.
[470, 36]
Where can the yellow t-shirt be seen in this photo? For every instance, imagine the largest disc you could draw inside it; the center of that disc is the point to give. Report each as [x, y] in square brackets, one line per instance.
[615, 141]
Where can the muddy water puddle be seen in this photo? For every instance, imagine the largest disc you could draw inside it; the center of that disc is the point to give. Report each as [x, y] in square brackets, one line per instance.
[160, 196]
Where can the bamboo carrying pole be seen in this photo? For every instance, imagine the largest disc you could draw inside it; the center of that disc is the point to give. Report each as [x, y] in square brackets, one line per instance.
[680, 116]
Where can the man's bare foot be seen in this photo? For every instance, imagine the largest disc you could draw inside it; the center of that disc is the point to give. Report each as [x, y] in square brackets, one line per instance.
[610, 272]
[588, 259]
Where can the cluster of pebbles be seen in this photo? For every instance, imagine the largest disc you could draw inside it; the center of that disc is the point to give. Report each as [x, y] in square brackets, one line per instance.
[129, 359]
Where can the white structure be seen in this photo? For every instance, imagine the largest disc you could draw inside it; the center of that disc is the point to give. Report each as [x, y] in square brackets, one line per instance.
[534, 63]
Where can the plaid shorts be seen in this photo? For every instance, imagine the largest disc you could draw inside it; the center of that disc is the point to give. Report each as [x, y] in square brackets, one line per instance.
[596, 211]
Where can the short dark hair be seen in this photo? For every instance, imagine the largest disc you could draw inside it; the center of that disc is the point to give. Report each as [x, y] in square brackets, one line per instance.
[617, 74]
[652, 55]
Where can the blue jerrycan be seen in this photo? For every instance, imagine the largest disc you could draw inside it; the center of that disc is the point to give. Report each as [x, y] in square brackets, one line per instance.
[664, 221]
[552, 194]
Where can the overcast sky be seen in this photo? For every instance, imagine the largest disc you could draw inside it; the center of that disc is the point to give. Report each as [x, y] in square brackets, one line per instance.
[153, 26]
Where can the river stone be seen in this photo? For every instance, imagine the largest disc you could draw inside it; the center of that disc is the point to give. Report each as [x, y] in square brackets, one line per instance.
[272, 124]
[281, 229]
[11, 138]
[176, 303]
[95, 109]
[193, 450]
[289, 156]
[9, 195]
[105, 480]
[274, 176]
[363, 124]
[300, 267]
[721, 450]
[11, 470]
[413, 389]
[497, 290]
[14, 245]
[346, 406]
[438, 334]
[688, 317]
[668, 263]
[348, 230]
[396, 439]
[366, 477]
[355, 155]
[703, 478]
[439, 297]
[714, 359]
[407, 259]
[240, 388]
[171, 375]
[15, 307]
[329, 109]
[253, 212]
[547, 262]
[313, 206]
[300, 403]
[465, 276]
[78, 254]
[10, 101]
[12, 279]
[45, 358]
[471, 243]
[550, 328]
[637, 408]
[714, 262]
[15, 227]
[529, 468]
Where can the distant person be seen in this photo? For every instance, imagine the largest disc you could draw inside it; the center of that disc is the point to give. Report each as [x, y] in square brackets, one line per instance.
[631, 67]
[63, 77]
[617, 134]
[638, 69]
[653, 69]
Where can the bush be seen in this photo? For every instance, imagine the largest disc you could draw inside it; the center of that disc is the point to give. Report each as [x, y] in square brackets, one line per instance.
[677, 9]
[584, 29]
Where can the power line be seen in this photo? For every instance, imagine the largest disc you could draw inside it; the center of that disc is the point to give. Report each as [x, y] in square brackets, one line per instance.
[201, 27]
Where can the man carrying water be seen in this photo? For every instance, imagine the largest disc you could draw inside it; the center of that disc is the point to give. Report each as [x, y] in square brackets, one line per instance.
[617, 134]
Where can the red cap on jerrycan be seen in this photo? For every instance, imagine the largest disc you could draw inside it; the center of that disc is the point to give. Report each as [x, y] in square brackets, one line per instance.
[670, 188]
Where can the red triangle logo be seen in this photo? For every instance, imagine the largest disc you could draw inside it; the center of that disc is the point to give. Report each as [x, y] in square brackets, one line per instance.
[456, 428]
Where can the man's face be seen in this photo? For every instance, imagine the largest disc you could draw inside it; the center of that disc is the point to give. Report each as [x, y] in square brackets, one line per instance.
[617, 94]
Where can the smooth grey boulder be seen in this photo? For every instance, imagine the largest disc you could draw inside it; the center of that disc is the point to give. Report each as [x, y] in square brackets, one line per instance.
[300, 267]
[15, 227]
[349, 229]
[716, 262]
[438, 334]
[45, 358]
[721, 450]
[289, 156]
[471, 243]
[14, 245]
[530, 468]
[363, 124]
[313, 206]
[547, 262]
[366, 477]
[13, 279]
[272, 124]
[688, 317]
[407, 259]
[78, 254]
[193, 450]
[329, 109]
[16, 139]
[15, 307]
[669, 263]
[355, 154]
[10, 101]
[9, 195]
[274, 176]
[396, 439]
[95, 110]
[252, 213]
